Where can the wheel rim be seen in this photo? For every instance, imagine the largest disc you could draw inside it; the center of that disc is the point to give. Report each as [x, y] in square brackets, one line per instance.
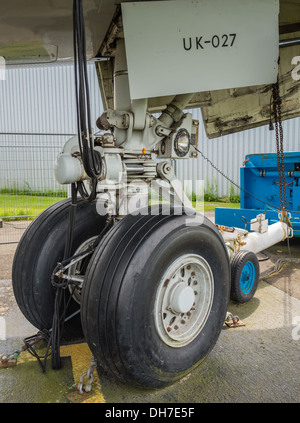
[247, 277]
[78, 270]
[183, 300]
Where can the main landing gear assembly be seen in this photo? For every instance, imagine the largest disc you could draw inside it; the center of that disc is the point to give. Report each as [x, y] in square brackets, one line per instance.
[153, 293]
[148, 285]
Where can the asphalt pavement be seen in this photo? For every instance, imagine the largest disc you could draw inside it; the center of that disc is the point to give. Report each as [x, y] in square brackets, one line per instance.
[255, 363]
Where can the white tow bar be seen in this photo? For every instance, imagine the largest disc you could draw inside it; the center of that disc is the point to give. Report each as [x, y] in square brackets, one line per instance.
[263, 237]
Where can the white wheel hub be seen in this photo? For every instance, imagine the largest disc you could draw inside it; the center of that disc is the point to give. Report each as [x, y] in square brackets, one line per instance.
[183, 300]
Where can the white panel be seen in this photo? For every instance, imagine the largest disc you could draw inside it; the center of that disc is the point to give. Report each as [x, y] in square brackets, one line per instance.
[183, 46]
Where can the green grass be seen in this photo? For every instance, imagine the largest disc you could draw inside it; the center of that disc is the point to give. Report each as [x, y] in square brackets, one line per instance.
[25, 205]
[32, 204]
[212, 205]
[28, 191]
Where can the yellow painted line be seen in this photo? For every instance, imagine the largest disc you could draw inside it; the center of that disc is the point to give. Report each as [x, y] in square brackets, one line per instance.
[25, 357]
[80, 355]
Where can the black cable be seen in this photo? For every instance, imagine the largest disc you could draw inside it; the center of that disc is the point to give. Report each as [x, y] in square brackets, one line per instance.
[267, 257]
[58, 316]
[91, 159]
[109, 224]
[92, 163]
[72, 211]
[53, 335]
[84, 193]
[58, 320]
[32, 340]
[243, 219]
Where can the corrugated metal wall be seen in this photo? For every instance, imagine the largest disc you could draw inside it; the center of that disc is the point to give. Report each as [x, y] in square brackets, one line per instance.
[41, 100]
[228, 152]
[37, 116]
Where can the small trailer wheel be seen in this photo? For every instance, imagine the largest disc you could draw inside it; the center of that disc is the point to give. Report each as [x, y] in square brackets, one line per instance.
[244, 276]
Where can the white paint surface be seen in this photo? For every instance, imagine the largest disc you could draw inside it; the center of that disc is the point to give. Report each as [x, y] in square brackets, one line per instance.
[186, 46]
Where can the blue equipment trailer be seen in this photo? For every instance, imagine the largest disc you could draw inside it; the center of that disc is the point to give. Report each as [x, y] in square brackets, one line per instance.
[259, 176]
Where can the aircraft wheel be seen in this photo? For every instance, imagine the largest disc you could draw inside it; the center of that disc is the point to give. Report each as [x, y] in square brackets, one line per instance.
[155, 298]
[39, 250]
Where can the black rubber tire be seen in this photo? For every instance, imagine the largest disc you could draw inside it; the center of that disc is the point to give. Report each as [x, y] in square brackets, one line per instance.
[237, 265]
[119, 294]
[39, 250]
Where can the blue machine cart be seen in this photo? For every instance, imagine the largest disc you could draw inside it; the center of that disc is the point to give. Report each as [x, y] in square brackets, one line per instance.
[259, 176]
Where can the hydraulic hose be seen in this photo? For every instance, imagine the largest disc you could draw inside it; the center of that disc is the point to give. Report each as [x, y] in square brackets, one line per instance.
[91, 159]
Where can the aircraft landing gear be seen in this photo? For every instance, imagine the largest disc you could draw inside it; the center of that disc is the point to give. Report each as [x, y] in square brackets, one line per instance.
[155, 298]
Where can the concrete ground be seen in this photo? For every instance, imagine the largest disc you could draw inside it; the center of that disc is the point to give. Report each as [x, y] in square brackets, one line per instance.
[258, 362]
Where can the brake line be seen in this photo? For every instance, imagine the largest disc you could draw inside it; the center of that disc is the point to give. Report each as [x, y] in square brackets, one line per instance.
[59, 317]
[52, 336]
[91, 159]
[92, 163]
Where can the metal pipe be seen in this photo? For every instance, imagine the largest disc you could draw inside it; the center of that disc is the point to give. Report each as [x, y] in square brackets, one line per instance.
[289, 43]
[256, 242]
[273, 173]
[122, 101]
[174, 111]
[134, 168]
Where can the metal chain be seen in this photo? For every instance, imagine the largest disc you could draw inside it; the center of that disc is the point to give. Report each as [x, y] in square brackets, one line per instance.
[234, 183]
[5, 358]
[279, 143]
[89, 374]
[279, 209]
[29, 342]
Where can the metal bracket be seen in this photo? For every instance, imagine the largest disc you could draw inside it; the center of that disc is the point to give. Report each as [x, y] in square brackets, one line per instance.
[166, 171]
[233, 321]
[8, 363]
[76, 397]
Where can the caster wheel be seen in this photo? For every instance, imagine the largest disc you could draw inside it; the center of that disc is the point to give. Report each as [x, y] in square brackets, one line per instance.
[155, 298]
[244, 276]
